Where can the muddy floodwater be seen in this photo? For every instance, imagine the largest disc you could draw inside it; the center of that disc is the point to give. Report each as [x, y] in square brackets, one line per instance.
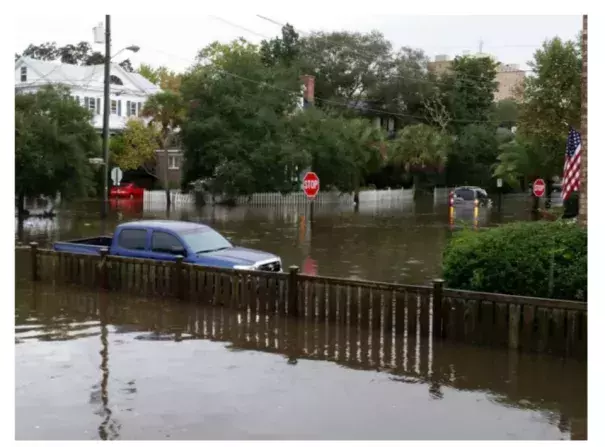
[91, 365]
[395, 241]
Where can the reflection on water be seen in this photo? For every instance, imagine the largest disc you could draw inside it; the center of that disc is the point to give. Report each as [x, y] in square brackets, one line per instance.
[399, 241]
[171, 370]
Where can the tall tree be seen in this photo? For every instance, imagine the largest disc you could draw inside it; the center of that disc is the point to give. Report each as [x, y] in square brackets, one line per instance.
[346, 65]
[422, 151]
[53, 143]
[472, 156]
[470, 87]
[552, 103]
[234, 135]
[505, 113]
[167, 111]
[136, 146]
[282, 50]
[163, 77]
[78, 54]
[342, 151]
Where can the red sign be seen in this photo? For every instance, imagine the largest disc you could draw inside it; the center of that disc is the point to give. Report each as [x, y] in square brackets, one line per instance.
[310, 184]
[539, 187]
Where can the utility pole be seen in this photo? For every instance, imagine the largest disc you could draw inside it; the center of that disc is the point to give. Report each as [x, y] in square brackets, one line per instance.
[106, 106]
[583, 208]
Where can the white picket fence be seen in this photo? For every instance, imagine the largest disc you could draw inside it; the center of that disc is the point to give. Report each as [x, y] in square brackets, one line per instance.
[297, 198]
[156, 200]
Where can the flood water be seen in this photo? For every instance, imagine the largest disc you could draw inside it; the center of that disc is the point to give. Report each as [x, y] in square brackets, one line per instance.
[102, 366]
[400, 241]
[93, 366]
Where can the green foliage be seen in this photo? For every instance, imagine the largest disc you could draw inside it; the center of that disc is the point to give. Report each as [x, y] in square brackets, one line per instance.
[136, 146]
[542, 259]
[470, 86]
[420, 148]
[505, 113]
[341, 151]
[163, 77]
[235, 133]
[53, 142]
[472, 156]
[78, 54]
[346, 65]
[551, 104]
[284, 50]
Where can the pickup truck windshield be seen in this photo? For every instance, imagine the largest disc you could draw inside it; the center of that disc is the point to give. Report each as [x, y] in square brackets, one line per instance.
[205, 241]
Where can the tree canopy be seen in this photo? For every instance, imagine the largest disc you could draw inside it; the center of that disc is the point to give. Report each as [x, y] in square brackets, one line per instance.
[53, 143]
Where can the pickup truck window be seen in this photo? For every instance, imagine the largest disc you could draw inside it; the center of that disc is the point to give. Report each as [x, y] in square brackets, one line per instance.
[205, 241]
[164, 242]
[133, 239]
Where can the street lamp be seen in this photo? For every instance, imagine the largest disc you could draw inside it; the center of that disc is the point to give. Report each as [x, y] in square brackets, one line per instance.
[133, 48]
[98, 37]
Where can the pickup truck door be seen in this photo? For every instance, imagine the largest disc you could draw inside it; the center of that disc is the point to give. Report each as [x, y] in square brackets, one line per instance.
[164, 246]
[132, 243]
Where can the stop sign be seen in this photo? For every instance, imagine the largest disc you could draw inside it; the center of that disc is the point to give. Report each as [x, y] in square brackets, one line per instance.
[310, 184]
[539, 187]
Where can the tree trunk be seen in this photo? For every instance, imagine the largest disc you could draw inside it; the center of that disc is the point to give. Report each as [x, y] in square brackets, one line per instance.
[548, 195]
[21, 205]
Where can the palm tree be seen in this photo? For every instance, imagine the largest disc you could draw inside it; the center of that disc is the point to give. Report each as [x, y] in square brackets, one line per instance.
[166, 110]
[420, 149]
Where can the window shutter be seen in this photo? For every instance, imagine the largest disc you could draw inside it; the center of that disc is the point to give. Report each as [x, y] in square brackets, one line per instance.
[86, 102]
[98, 106]
[119, 107]
[138, 109]
[127, 108]
[77, 99]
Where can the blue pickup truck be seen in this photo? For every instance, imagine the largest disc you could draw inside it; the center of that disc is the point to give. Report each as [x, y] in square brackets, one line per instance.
[164, 240]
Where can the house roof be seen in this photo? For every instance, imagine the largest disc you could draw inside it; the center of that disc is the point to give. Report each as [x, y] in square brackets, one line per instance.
[83, 76]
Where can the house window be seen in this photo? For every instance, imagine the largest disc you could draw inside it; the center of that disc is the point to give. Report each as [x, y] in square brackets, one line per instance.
[173, 162]
[114, 107]
[131, 108]
[23, 74]
[90, 103]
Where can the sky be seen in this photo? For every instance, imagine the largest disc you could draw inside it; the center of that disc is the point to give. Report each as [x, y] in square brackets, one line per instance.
[175, 42]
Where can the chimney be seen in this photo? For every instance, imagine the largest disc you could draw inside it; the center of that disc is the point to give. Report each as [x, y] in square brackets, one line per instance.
[308, 90]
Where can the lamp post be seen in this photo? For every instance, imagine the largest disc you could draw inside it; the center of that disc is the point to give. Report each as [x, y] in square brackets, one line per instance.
[106, 105]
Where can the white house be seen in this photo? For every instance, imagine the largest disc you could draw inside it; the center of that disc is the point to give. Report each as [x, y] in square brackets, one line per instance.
[128, 91]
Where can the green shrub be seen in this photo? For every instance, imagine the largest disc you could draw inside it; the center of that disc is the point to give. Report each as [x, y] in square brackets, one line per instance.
[520, 259]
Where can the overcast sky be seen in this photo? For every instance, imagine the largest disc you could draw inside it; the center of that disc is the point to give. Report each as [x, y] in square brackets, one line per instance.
[174, 43]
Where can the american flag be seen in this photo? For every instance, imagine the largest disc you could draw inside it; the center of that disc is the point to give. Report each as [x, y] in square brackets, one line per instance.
[571, 170]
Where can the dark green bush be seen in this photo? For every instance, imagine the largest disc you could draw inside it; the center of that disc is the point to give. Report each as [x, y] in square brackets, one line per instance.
[520, 259]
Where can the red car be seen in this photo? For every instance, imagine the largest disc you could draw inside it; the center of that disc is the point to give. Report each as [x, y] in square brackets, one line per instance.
[126, 191]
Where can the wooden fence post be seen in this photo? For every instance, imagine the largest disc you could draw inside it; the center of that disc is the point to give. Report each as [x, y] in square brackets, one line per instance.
[104, 268]
[179, 276]
[437, 303]
[34, 255]
[293, 291]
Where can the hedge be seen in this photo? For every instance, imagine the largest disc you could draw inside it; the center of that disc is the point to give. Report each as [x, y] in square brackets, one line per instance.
[541, 259]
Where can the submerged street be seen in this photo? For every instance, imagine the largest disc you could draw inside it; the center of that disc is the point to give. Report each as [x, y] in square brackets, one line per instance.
[106, 366]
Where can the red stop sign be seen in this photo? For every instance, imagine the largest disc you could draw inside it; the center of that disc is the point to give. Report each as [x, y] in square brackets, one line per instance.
[539, 187]
[310, 184]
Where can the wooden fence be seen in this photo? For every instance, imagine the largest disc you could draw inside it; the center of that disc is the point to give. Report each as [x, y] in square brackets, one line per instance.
[383, 309]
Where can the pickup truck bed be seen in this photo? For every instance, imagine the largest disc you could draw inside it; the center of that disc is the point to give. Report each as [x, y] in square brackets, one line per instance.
[92, 245]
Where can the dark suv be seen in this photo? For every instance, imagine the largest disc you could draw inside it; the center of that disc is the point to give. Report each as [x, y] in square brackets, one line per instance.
[470, 195]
